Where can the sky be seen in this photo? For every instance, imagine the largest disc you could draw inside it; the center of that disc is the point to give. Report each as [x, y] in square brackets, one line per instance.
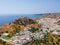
[29, 6]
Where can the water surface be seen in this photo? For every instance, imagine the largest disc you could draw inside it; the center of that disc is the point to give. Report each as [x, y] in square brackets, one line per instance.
[4, 19]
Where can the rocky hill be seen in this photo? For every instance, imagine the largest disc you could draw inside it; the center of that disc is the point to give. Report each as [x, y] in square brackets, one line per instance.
[20, 23]
[51, 15]
[24, 21]
[36, 31]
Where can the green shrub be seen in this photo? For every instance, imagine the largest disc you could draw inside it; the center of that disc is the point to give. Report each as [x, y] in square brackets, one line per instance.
[33, 30]
[7, 37]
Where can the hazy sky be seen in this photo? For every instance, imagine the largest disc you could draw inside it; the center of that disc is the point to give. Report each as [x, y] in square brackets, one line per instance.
[29, 6]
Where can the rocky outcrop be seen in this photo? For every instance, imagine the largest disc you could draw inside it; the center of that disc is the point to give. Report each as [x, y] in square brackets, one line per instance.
[24, 21]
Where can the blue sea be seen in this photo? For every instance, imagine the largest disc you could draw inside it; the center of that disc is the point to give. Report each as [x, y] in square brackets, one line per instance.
[5, 19]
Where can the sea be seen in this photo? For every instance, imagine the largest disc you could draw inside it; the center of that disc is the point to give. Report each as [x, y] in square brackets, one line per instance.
[6, 19]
